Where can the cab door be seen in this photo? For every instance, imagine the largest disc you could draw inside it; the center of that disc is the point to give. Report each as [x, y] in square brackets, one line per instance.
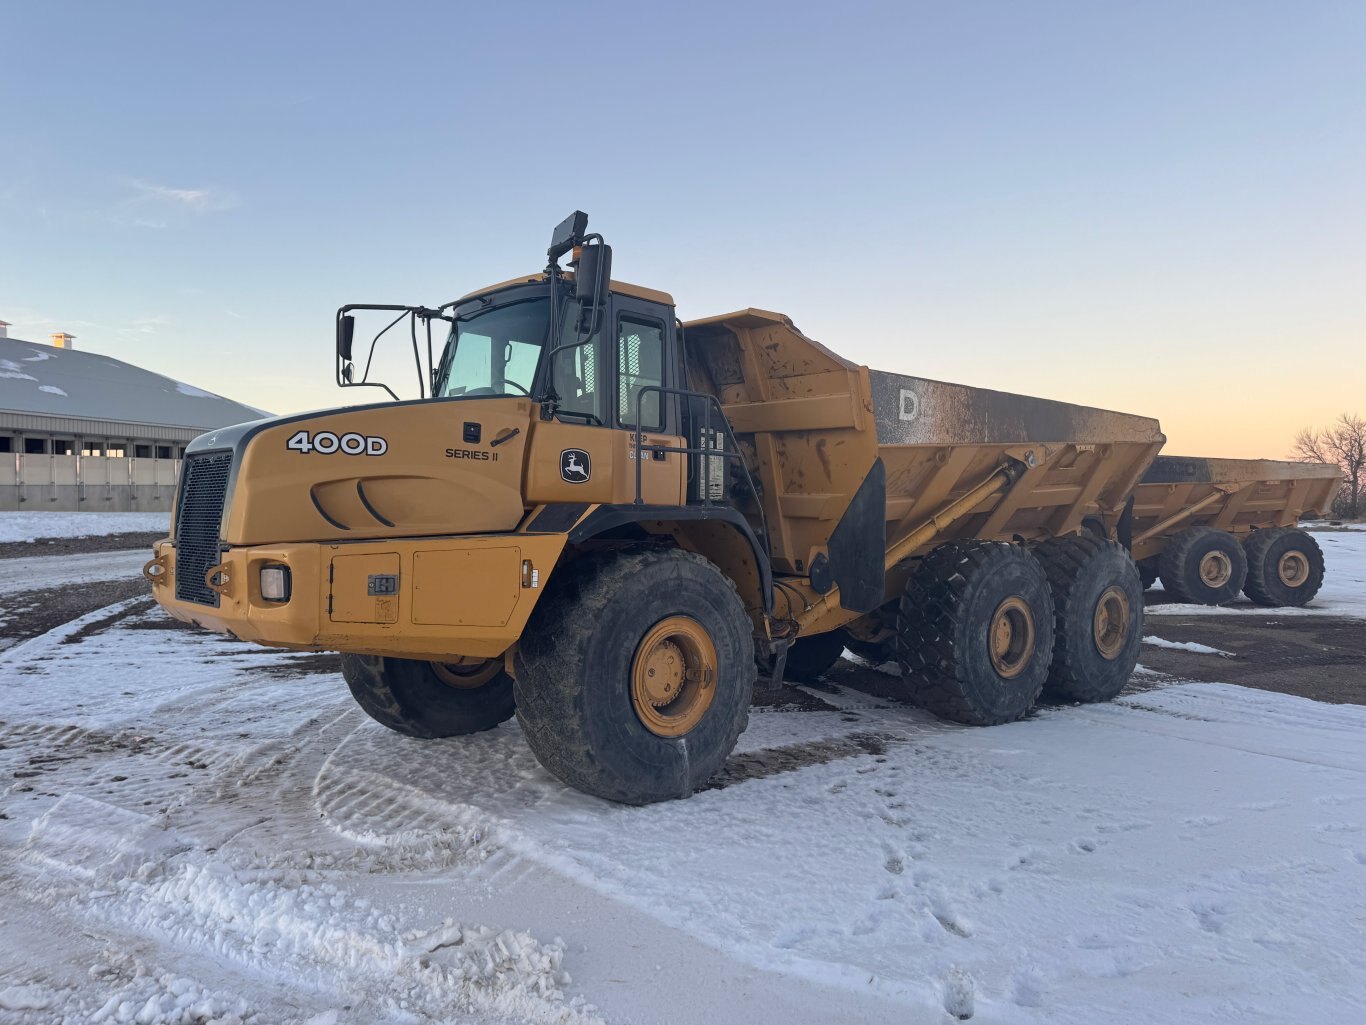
[587, 452]
[644, 358]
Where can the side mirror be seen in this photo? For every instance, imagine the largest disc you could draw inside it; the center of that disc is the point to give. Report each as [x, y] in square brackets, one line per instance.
[593, 272]
[348, 371]
[346, 331]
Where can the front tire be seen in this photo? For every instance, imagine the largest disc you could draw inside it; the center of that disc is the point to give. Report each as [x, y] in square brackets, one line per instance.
[1097, 617]
[1284, 567]
[634, 677]
[975, 632]
[1203, 566]
[429, 700]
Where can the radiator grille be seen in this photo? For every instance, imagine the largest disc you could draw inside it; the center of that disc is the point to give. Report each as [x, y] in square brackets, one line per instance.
[198, 519]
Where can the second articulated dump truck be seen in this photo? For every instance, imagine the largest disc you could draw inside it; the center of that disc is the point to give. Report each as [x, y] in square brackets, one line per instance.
[602, 520]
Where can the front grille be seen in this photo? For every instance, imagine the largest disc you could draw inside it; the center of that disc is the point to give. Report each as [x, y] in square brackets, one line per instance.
[198, 520]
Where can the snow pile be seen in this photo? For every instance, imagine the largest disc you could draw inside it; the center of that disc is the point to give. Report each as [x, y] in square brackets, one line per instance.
[29, 526]
[169, 1000]
[1199, 649]
[273, 920]
[143, 999]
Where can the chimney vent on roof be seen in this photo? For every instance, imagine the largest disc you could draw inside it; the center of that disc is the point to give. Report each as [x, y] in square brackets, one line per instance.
[4, 328]
[61, 340]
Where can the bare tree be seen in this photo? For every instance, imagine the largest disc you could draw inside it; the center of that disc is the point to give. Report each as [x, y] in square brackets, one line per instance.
[1344, 443]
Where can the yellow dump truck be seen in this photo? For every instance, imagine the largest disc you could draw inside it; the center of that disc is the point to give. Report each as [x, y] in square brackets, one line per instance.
[1213, 527]
[600, 519]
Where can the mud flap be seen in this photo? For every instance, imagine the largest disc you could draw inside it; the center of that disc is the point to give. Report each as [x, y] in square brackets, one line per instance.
[779, 664]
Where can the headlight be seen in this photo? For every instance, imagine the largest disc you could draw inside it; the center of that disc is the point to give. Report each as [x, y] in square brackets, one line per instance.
[275, 583]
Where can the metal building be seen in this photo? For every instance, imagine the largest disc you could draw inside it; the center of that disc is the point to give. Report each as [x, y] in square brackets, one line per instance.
[80, 431]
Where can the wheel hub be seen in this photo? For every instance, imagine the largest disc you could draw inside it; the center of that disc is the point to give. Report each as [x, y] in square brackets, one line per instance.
[1110, 626]
[466, 673]
[1293, 569]
[1010, 637]
[664, 673]
[1216, 569]
[673, 676]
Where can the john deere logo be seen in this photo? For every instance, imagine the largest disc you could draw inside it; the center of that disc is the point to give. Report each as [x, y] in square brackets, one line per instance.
[575, 466]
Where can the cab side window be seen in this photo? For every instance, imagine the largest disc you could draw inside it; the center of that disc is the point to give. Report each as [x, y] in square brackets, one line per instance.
[640, 364]
[575, 376]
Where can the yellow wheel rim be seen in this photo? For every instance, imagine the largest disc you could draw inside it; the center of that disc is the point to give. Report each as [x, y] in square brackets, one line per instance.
[1293, 569]
[467, 673]
[1216, 569]
[1010, 637]
[673, 676]
[1110, 626]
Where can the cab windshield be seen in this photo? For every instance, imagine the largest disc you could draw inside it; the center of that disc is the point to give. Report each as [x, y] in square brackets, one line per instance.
[495, 350]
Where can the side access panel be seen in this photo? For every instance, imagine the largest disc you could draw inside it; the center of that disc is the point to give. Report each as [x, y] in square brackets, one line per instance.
[470, 587]
[364, 588]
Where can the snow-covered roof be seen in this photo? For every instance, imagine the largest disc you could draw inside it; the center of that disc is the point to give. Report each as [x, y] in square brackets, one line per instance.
[37, 378]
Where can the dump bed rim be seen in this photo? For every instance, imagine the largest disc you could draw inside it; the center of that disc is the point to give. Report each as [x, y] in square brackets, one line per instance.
[1173, 469]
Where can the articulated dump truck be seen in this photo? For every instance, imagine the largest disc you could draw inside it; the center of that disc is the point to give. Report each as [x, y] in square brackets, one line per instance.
[1213, 527]
[604, 522]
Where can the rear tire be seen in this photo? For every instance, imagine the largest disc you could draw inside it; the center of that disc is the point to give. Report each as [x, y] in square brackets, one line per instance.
[809, 658]
[1284, 567]
[1203, 566]
[1097, 616]
[595, 715]
[411, 697]
[975, 632]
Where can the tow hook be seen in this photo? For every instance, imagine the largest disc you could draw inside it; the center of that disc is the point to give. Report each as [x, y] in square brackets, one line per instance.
[218, 580]
[155, 570]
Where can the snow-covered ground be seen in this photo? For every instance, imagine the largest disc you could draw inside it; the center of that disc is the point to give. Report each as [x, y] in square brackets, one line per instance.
[1343, 592]
[17, 575]
[195, 829]
[29, 526]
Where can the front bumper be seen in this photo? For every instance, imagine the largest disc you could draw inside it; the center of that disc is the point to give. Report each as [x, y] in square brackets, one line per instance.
[413, 598]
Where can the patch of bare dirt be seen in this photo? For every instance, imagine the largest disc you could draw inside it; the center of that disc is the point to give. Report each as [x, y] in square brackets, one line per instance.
[771, 761]
[1308, 656]
[28, 614]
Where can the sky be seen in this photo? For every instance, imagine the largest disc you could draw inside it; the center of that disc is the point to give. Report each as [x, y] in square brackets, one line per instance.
[1158, 207]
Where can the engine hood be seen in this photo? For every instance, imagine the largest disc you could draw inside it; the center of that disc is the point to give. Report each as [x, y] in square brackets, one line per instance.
[404, 469]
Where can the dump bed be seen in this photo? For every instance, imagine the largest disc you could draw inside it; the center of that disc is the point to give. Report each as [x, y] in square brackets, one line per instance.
[816, 426]
[933, 435]
[1237, 495]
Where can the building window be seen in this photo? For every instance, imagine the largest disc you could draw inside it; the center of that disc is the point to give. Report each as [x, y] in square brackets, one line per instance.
[164, 452]
[142, 451]
[63, 446]
[116, 450]
[182, 453]
[6, 443]
[35, 446]
[92, 448]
